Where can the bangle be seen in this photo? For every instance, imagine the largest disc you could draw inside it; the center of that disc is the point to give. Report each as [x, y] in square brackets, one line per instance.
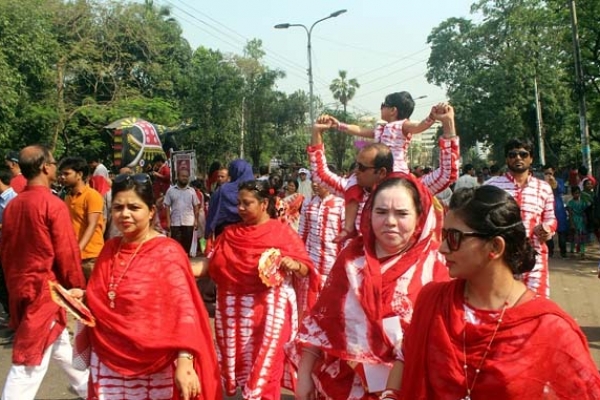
[185, 354]
[390, 394]
[342, 127]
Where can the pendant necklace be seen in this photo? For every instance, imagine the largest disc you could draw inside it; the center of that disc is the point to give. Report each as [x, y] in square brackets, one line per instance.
[487, 349]
[112, 285]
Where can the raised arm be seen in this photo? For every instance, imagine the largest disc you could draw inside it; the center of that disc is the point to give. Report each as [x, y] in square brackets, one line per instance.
[318, 163]
[447, 172]
[350, 129]
[414, 127]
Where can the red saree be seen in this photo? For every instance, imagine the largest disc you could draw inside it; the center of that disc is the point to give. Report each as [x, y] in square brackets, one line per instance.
[539, 352]
[253, 322]
[364, 294]
[158, 312]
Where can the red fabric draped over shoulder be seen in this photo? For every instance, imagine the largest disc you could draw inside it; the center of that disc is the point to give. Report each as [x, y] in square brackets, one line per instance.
[538, 352]
[347, 322]
[234, 265]
[158, 312]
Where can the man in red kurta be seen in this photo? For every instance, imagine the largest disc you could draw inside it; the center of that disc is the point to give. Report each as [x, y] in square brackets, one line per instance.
[38, 245]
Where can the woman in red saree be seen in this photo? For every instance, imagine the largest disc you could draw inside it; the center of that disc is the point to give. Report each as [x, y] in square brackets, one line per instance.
[152, 338]
[254, 318]
[485, 335]
[350, 342]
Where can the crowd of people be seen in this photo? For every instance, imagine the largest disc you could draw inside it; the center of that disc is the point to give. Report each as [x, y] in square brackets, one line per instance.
[376, 285]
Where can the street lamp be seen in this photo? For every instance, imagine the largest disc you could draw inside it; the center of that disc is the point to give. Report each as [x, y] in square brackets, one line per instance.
[309, 50]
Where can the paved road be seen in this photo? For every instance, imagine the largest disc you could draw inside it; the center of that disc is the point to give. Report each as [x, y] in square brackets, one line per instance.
[574, 286]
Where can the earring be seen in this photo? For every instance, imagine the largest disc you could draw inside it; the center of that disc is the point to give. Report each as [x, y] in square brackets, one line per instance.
[491, 255]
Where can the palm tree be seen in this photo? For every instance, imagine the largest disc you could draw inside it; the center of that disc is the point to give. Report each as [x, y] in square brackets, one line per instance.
[343, 90]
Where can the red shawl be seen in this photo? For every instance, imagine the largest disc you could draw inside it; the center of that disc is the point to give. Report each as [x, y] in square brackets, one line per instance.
[158, 312]
[234, 265]
[347, 321]
[539, 352]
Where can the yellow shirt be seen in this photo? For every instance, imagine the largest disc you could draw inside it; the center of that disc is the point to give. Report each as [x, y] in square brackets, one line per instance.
[81, 204]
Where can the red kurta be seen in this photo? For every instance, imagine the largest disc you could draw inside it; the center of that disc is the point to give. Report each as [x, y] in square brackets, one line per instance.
[253, 322]
[158, 312]
[38, 245]
[538, 352]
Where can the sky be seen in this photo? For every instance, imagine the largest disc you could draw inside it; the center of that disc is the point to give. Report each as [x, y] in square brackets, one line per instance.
[383, 44]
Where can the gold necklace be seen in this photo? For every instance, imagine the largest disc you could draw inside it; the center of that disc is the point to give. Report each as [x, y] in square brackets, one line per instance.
[112, 285]
[487, 348]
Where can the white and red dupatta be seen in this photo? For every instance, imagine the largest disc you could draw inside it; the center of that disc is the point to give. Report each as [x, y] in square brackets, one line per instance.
[363, 294]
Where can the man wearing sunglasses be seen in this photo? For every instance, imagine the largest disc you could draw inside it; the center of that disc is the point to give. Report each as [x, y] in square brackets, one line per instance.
[536, 200]
[375, 161]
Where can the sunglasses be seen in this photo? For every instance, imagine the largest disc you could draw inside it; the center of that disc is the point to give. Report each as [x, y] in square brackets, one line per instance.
[137, 178]
[362, 167]
[454, 237]
[522, 153]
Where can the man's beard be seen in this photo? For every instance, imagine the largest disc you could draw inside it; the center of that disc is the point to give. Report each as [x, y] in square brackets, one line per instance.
[517, 169]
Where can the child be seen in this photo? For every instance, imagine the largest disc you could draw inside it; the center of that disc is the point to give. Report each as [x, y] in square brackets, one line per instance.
[396, 134]
[576, 207]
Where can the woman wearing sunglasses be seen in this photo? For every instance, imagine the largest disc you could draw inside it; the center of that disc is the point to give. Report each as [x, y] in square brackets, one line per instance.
[152, 338]
[350, 341]
[485, 335]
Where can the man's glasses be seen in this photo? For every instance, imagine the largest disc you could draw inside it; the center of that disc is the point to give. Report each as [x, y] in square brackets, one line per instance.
[454, 237]
[137, 178]
[521, 153]
[362, 167]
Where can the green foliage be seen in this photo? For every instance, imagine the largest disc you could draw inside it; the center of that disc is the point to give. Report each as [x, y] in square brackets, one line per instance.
[67, 69]
[489, 68]
[343, 90]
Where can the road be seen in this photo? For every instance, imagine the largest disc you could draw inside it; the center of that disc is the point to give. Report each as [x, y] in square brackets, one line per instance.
[574, 286]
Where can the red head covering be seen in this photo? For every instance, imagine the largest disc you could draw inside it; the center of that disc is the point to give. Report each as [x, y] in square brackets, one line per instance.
[425, 240]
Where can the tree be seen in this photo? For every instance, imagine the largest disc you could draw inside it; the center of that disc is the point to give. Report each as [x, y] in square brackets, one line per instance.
[343, 90]
[488, 70]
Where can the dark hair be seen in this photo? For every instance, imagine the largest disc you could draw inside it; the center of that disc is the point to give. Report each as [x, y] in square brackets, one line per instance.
[12, 156]
[5, 176]
[402, 182]
[215, 166]
[467, 168]
[518, 144]
[404, 103]
[549, 166]
[159, 157]
[262, 190]
[491, 210]
[139, 183]
[383, 156]
[263, 170]
[575, 189]
[582, 170]
[293, 182]
[31, 163]
[77, 164]
[494, 169]
[275, 181]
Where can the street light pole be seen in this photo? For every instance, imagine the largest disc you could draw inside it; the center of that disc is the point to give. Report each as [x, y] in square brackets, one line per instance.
[583, 125]
[311, 103]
